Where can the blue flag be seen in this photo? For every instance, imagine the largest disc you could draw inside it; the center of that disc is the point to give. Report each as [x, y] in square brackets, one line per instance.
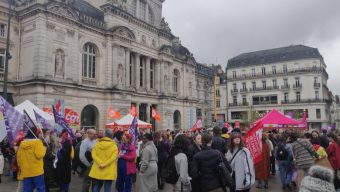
[28, 124]
[60, 120]
[13, 119]
[133, 131]
[44, 123]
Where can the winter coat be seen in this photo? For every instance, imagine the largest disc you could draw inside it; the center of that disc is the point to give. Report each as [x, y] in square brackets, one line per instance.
[181, 164]
[192, 151]
[129, 156]
[303, 159]
[220, 144]
[319, 179]
[333, 152]
[148, 168]
[204, 167]
[64, 162]
[30, 158]
[104, 153]
[320, 151]
[262, 169]
[324, 141]
[243, 168]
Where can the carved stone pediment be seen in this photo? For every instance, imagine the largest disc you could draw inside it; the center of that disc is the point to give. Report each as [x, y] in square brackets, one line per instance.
[64, 11]
[124, 32]
[167, 50]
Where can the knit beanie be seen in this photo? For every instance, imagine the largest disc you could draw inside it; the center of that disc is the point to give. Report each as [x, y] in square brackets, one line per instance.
[320, 179]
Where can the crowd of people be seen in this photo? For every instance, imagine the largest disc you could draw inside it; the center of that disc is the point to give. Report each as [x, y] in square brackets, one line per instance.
[200, 161]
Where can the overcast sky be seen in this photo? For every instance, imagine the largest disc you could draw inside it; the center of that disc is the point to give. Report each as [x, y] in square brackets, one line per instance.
[217, 30]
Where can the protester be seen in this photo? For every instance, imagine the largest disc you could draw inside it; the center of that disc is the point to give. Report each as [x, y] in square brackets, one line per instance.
[30, 161]
[104, 168]
[2, 163]
[86, 157]
[204, 166]
[225, 134]
[148, 165]
[283, 154]
[319, 179]
[316, 142]
[162, 151]
[241, 163]
[315, 134]
[303, 159]
[217, 142]
[333, 151]
[262, 169]
[118, 138]
[324, 139]
[49, 172]
[272, 144]
[194, 148]
[64, 160]
[126, 164]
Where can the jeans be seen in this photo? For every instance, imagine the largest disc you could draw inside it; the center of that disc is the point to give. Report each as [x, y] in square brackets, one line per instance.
[98, 184]
[124, 181]
[32, 183]
[87, 180]
[286, 172]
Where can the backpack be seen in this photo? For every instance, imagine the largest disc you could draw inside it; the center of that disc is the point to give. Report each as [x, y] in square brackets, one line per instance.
[224, 174]
[76, 156]
[282, 153]
[169, 172]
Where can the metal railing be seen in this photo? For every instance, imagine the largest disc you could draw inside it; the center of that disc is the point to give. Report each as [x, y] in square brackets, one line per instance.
[293, 101]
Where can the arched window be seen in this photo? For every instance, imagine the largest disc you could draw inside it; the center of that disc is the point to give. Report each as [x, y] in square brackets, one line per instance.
[175, 81]
[89, 61]
[150, 16]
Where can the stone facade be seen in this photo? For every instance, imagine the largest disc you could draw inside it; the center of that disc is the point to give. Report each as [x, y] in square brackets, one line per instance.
[290, 79]
[96, 54]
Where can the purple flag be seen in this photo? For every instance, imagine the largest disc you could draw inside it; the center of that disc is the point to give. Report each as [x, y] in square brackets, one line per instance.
[44, 123]
[13, 119]
[60, 120]
[133, 130]
[28, 123]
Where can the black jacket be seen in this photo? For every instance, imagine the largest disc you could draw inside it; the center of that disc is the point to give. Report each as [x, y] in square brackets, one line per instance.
[220, 144]
[193, 149]
[324, 141]
[204, 167]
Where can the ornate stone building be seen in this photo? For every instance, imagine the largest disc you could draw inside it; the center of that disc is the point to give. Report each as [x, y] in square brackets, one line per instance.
[99, 53]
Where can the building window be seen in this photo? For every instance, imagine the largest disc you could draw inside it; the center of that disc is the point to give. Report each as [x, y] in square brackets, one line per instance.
[286, 97]
[234, 74]
[244, 100]
[285, 70]
[244, 86]
[318, 113]
[175, 81]
[141, 72]
[243, 73]
[133, 8]
[235, 100]
[218, 103]
[130, 70]
[2, 30]
[152, 74]
[263, 100]
[234, 86]
[285, 83]
[254, 85]
[150, 16]
[253, 74]
[274, 69]
[264, 84]
[298, 97]
[297, 82]
[2, 60]
[89, 61]
[263, 71]
[274, 83]
[218, 93]
[142, 10]
[316, 95]
[316, 80]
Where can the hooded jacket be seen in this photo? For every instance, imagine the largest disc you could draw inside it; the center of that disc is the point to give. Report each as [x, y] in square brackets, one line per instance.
[104, 153]
[30, 158]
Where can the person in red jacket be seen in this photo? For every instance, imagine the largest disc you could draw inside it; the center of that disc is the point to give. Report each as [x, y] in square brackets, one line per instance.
[333, 151]
[126, 164]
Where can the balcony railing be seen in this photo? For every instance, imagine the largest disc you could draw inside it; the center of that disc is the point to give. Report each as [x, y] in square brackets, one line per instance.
[264, 102]
[317, 85]
[303, 101]
[234, 91]
[285, 87]
[238, 104]
[299, 86]
[279, 73]
[243, 90]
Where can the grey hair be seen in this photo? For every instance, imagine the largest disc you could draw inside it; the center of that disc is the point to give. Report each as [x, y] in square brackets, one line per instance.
[109, 133]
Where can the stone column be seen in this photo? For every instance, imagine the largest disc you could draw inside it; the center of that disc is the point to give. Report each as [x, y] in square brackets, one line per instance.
[137, 65]
[147, 73]
[160, 67]
[127, 67]
[148, 113]
[158, 81]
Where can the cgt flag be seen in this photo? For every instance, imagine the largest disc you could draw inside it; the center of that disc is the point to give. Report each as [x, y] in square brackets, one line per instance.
[112, 113]
[155, 114]
[60, 120]
[44, 123]
[134, 131]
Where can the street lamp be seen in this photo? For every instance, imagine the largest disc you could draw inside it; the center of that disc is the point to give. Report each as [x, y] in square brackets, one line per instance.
[7, 55]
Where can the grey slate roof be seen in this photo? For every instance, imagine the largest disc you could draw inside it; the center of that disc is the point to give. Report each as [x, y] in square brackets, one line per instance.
[293, 52]
[87, 9]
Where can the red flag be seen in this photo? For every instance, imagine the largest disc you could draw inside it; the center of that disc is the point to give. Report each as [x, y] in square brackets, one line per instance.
[113, 113]
[197, 126]
[58, 106]
[133, 110]
[253, 140]
[155, 114]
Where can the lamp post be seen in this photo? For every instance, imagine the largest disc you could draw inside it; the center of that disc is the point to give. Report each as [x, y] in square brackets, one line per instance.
[7, 55]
